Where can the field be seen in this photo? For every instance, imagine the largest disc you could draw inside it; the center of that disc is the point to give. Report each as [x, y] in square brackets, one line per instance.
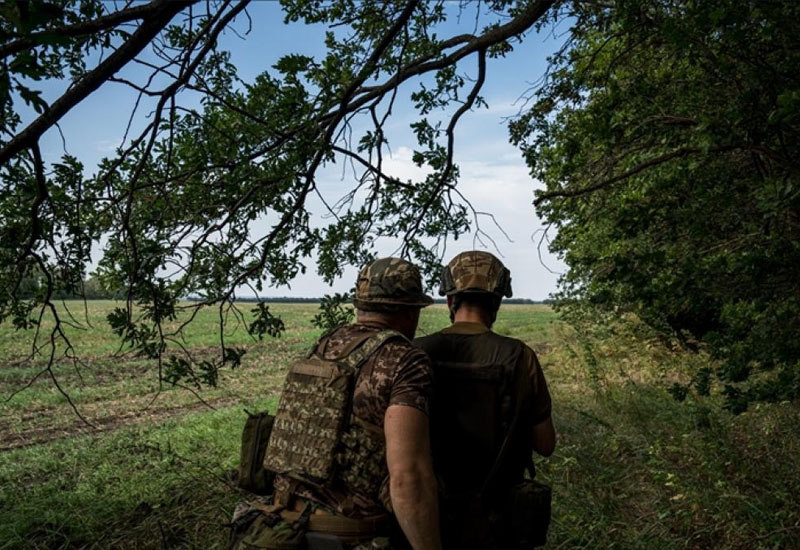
[634, 469]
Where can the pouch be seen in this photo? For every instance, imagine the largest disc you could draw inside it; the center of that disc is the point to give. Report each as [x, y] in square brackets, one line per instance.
[256, 529]
[529, 514]
[253, 476]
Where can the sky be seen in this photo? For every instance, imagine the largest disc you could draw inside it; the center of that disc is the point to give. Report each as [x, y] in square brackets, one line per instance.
[494, 177]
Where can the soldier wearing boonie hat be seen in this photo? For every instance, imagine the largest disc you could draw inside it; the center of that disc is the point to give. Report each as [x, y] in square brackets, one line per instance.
[384, 461]
[492, 410]
[389, 284]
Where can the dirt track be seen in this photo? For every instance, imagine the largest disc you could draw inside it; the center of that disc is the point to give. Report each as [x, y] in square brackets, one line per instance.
[12, 439]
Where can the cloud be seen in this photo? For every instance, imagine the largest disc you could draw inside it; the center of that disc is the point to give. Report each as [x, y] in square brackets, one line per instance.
[495, 180]
[106, 145]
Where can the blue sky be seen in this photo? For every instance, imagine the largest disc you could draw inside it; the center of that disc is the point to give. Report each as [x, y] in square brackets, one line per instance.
[494, 177]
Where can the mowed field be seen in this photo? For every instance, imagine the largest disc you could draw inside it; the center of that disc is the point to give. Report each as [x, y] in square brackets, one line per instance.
[633, 469]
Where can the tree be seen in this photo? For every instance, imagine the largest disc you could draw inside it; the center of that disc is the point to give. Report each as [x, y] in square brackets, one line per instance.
[668, 137]
[177, 204]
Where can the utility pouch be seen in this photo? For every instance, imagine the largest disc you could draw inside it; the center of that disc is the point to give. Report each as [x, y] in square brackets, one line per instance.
[258, 528]
[253, 476]
[528, 513]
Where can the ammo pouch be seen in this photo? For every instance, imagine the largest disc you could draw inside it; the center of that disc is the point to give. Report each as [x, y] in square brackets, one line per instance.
[259, 526]
[253, 476]
[527, 513]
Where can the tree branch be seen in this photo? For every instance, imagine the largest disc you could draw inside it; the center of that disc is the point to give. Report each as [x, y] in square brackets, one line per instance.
[95, 78]
[678, 153]
[518, 25]
[83, 28]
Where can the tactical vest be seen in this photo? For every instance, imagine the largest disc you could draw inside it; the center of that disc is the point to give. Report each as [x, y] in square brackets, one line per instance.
[315, 439]
[478, 386]
[480, 390]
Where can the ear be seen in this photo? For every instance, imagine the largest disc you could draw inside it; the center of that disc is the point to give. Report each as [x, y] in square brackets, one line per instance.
[450, 300]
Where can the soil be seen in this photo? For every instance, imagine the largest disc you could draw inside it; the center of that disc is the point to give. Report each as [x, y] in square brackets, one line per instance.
[11, 438]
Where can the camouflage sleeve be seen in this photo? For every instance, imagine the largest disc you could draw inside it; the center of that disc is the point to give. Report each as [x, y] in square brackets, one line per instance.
[412, 384]
[542, 406]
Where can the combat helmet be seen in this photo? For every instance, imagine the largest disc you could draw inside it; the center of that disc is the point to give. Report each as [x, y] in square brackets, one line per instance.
[475, 271]
[389, 283]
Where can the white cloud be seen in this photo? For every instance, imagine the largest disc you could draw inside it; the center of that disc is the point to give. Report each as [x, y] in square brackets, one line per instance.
[106, 145]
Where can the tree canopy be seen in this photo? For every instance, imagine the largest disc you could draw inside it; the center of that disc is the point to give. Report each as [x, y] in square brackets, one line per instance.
[665, 132]
[668, 137]
[177, 209]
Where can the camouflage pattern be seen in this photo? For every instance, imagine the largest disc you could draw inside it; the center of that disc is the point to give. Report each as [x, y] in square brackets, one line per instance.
[397, 374]
[307, 426]
[312, 412]
[362, 461]
[475, 271]
[390, 282]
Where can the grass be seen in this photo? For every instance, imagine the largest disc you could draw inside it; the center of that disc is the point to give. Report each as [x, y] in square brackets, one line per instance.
[633, 467]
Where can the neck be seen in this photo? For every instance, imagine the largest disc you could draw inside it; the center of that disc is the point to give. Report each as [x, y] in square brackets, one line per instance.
[371, 318]
[404, 322]
[470, 314]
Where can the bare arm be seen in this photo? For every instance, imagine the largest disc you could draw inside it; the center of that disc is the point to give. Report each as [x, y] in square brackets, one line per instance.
[544, 437]
[412, 484]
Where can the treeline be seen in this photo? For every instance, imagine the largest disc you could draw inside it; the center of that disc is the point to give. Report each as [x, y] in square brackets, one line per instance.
[89, 289]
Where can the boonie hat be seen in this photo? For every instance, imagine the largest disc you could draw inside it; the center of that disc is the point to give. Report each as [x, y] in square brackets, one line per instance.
[390, 282]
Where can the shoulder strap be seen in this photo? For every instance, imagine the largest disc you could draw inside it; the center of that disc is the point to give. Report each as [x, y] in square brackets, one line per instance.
[357, 350]
[360, 350]
[321, 341]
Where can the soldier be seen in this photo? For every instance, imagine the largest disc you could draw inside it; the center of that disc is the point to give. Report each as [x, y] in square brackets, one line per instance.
[338, 479]
[492, 410]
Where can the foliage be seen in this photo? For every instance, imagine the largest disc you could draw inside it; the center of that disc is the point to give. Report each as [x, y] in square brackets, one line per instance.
[335, 311]
[667, 135]
[633, 469]
[210, 198]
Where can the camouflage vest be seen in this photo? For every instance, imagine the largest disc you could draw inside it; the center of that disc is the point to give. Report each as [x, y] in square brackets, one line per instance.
[315, 439]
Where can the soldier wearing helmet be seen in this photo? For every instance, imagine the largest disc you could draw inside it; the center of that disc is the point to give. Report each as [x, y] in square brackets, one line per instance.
[492, 410]
[381, 456]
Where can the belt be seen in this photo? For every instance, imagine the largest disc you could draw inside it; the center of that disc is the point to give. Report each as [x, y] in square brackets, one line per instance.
[320, 521]
[343, 527]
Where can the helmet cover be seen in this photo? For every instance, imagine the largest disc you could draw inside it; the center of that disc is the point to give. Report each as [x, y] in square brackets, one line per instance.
[475, 271]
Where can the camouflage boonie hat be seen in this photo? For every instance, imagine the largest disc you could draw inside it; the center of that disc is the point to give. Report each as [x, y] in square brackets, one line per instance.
[388, 283]
[475, 271]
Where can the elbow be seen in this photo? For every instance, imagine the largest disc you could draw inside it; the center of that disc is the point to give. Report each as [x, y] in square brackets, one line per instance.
[544, 438]
[411, 484]
[545, 449]
[544, 441]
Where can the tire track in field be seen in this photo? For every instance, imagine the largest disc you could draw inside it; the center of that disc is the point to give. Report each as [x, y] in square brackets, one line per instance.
[11, 439]
[108, 370]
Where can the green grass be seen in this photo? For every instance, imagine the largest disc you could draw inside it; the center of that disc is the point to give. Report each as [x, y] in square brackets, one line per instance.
[633, 467]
